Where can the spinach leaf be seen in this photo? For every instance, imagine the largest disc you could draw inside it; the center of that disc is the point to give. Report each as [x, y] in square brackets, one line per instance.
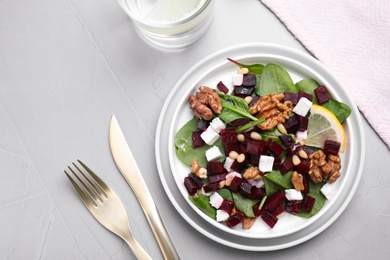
[280, 179]
[253, 68]
[244, 204]
[275, 79]
[203, 203]
[339, 109]
[315, 192]
[308, 86]
[233, 108]
[270, 186]
[225, 194]
[183, 144]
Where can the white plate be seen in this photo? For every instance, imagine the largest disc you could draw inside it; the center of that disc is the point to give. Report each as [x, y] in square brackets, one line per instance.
[289, 230]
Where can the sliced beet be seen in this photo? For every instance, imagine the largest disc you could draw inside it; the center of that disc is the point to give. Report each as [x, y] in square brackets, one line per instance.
[222, 87]
[269, 219]
[256, 146]
[197, 141]
[303, 166]
[293, 207]
[293, 97]
[286, 166]
[274, 200]
[303, 123]
[294, 149]
[308, 203]
[306, 183]
[211, 187]
[198, 181]
[234, 220]
[249, 80]
[277, 163]
[287, 140]
[278, 210]
[246, 189]
[331, 147]
[254, 159]
[292, 124]
[274, 147]
[257, 193]
[214, 168]
[227, 205]
[240, 122]
[190, 185]
[217, 178]
[243, 91]
[254, 100]
[231, 147]
[302, 94]
[258, 212]
[229, 136]
[202, 124]
[321, 94]
[236, 183]
[237, 167]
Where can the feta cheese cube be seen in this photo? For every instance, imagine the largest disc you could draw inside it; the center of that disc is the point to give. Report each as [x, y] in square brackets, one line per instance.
[216, 200]
[257, 183]
[238, 79]
[266, 163]
[328, 190]
[301, 135]
[217, 124]
[293, 194]
[213, 154]
[228, 164]
[302, 107]
[222, 215]
[209, 136]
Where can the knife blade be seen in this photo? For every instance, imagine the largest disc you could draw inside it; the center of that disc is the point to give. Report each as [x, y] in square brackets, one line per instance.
[128, 167]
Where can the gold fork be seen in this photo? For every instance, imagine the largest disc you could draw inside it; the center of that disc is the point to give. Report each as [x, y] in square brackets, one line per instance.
[104, 205]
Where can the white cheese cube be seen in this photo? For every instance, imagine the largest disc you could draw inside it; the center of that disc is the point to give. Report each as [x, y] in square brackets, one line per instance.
[209, 136]
[266, 163]
[217, 124]
[238, 79]
[228, 164]
[302, 107]
[257, 183]
[328, 190]
[213, 154]
[293, 194]
[216, 200]
[222, 215]
[301, 135]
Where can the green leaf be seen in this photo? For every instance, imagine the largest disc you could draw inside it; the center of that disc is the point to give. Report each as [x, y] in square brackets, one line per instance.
[308, 86]
[280, 179]
[341, 110]
[243, 128]
[233, 108]
[315, 192]
[270, 186]
[275, 79]
[203, 203]
[225, 194]
[244, 204]
[183, 144]
[253, 68]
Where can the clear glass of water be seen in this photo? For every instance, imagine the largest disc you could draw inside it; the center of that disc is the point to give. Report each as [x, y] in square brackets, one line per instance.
[170, 24]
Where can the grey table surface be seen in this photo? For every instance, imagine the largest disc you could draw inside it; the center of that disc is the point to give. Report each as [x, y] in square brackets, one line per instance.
[65, 67]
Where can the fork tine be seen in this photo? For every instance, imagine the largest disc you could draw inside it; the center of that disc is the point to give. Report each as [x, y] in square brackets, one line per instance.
[99, 182]
[85, 197]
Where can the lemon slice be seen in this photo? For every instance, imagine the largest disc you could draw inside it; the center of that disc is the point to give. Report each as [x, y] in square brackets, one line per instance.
[324, 125]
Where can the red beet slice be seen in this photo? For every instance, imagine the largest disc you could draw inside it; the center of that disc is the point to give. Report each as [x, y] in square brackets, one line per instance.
[274, 200]
[308, 203]
[293, 97]
[256, 146]
[270, 219]
[278, 210]
[257, 193]
[287, 140]
[274, 147]
[211, 187]
[303, 166]
[254, 159]
[302, 94]
[303, 123]
[243, 91]
[227, 206]
[222, 87]
[229, 136]
[240, 122]
[331, 147]
[245, 189]
[249, 80]
[321, 94]
[286, 165]
[231, 147]
[190, 185]
[292, 124]
[258, 212]
[237, 167]
[214, 168]
[294, 148]
[198, 181]
[277, 163]
[234, 220]
[293, 207]
[236, 183]
[202, 124]
[197, 141]
[217, 178]
[306, 183]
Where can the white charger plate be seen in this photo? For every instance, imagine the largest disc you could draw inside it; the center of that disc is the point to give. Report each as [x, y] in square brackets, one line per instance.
[290, 230]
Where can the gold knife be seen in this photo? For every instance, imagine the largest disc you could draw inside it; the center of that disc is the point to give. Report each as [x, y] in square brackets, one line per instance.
[128, 167]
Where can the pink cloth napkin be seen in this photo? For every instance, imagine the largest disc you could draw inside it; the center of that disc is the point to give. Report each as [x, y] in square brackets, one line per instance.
[352, 38]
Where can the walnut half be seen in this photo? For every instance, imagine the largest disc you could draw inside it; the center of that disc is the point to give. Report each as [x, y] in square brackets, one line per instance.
[323, 167]
[205, 102]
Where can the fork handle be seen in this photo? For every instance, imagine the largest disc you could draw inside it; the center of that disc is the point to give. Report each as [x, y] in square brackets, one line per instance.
[139, 252]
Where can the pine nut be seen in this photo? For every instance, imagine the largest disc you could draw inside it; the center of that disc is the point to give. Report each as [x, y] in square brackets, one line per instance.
[295, 160]
[303, 154]
[233, 155]
[248, 99]
[256, 136]
[243, 71]
[281, 128]
[222, 184]
[241, 158]
[241, 138]
[228, 181]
